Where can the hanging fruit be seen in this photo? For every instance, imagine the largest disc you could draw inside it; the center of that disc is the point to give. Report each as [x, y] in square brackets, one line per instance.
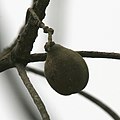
[65, 70]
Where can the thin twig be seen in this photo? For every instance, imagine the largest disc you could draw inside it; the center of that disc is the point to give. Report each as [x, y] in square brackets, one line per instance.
[88, 54]
[101, 105]
[32, 91]
[96, 54]
[38, 72]
[37, 57]
[4, 63]
[88, 96]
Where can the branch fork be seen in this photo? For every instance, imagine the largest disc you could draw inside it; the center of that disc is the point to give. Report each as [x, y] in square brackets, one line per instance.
[18, 54]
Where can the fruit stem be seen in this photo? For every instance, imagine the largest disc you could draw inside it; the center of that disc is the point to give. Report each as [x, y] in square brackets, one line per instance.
[40, 24]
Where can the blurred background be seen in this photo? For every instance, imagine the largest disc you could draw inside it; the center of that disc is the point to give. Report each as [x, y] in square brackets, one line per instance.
[92, 25]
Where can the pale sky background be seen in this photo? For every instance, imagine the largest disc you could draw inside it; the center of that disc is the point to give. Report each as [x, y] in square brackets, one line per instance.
[79, 25]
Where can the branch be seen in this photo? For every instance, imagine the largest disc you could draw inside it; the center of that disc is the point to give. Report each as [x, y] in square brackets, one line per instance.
[96, 54]
[6, 63]
[28, 33]
[37, 57]
[86, 95]
[101, 105]
[5, 58]
[32, 91]
[88, 54]
[24, 42]
[38, 72]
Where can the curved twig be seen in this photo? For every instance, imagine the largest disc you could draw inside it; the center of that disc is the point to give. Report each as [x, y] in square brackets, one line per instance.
[5, 63]
[38, 72]
[101, 105]
[88, 54]
[86, 95]
[32, 91]
[96, 54]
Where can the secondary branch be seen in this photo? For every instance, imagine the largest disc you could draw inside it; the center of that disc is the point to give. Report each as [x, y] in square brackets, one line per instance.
[32, 91]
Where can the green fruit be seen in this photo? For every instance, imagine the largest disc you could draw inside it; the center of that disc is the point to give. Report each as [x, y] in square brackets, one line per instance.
[65, 70]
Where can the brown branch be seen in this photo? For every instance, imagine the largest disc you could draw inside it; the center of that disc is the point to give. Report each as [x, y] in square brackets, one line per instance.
[6, 63]
[17, 53]
[96, 54]
[88, 54]
[86, 95]
[38, 72]
[28, 34]
[5, 58]
[101, 105]
[37, 57]
[20, 50]
[32, 91]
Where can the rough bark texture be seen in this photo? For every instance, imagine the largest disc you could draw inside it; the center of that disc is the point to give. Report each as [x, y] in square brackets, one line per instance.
[25, 39]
